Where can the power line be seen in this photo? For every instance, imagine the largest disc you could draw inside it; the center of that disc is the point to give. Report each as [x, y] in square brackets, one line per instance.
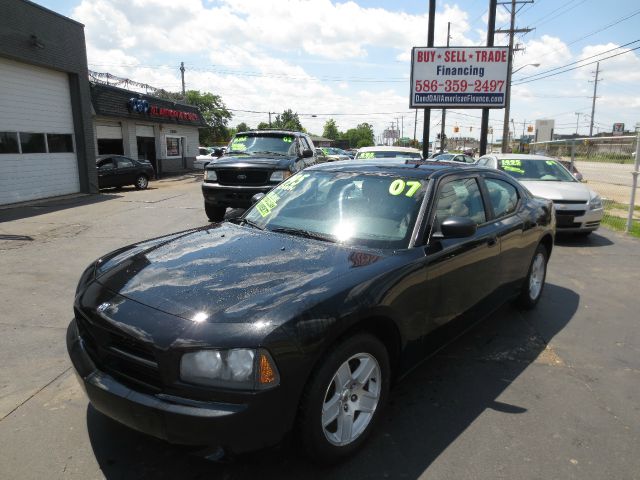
[579, 66]
[615, 22]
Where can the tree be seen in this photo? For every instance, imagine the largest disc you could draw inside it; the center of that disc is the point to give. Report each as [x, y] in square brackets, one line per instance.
[215, 115]
[361, 136]
[331, 130]
[242, 127]
[263, 126]
[288, 121]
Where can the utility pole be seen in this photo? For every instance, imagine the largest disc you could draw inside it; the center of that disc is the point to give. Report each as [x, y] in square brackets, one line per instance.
[444, 110]
[484, 123]
[512, 31]
[427, 111]
[593, 103]
[269, 119]
[415, 126]
[578, 121]
[182, 74]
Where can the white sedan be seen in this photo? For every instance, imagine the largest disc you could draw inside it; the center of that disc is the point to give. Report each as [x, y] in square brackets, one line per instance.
[407, 153]
[578, 208]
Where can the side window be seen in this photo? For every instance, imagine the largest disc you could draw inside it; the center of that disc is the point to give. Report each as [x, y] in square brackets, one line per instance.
[106, 165]
[124, 162]
[502, 195]
[460, 198]
[483, 162]
[304, 144]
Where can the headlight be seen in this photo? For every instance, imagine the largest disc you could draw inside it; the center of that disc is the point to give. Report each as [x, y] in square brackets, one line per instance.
[595, 203]
[86, 277]
[210, 175]
[280, 175]
[240, 368]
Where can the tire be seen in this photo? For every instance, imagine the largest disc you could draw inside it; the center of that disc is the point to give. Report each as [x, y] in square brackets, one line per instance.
[214, 213]
[332, 425]
[141, 183]
[534, 283]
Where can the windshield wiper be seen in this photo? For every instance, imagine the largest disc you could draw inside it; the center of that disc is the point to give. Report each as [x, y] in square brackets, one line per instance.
[303, 233]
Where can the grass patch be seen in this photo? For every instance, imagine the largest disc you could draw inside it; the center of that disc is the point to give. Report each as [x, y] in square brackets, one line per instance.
[619, 224]
[608, 204]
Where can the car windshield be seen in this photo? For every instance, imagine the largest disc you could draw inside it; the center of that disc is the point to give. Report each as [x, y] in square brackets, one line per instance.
[374, 210]
[387, 154]
[277, 144]
[530, 169]
[443, 156]
[332, 151]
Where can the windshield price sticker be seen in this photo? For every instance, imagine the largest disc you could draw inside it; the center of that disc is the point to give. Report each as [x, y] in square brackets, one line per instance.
[458, 77]
[238, 143]
[292, 182]
[268, 203]
[398, 186]
[287, 139]
[511, 163]
[367, 155]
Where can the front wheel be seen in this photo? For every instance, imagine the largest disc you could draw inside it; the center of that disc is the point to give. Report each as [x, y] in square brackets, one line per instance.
[343, 399]
[534, 283]
[214, 213]
[142, 182]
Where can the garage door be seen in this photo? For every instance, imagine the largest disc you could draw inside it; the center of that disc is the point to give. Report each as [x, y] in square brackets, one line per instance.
[37, 149]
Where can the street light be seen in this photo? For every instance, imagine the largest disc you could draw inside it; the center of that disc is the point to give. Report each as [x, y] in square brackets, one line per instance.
[507, 105]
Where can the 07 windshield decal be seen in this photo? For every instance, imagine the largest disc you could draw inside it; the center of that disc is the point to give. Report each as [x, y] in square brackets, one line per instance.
[398, 186]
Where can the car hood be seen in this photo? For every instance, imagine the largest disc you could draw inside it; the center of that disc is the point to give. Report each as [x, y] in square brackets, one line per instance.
[230, 273]
[254, 161]
[558, 190]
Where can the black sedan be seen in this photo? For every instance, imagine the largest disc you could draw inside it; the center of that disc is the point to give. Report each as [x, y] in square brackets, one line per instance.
[118, 171]
[299, 315]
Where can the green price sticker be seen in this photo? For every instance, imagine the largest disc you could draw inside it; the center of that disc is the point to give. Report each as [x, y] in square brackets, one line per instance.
[508, 168]
[398, 186]
[550, 162]
[292, 182]
[367, 155]
[511, 163]
[287, 139]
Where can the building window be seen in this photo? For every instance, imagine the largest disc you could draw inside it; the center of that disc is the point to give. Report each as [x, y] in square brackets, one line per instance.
[32, 143]
[9, 142]
[173, 146]
[59, 142]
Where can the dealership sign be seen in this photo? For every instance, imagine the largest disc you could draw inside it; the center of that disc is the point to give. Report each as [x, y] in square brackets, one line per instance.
[618, 129]
[140, 105]
[458, 77]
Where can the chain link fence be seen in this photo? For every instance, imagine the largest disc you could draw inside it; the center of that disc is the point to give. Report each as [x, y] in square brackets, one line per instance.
[607, 165]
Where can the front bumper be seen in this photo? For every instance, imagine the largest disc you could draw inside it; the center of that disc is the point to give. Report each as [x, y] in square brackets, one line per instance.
[232, 195]
[583, 221]
[237, 427]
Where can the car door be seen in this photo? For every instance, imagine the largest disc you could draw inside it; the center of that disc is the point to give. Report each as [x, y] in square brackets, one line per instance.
[504, 201]
[106, 172]
[462, 273]
[304, 145]
[126, 171]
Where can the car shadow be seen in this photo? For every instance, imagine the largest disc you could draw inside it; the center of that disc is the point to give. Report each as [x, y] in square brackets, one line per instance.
[592, 240]
[33, 209]
[427, 411]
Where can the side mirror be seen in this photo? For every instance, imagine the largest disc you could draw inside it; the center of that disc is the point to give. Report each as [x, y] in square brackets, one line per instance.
[578, 176]
[256, 198]
[458, 227]
[307, 153]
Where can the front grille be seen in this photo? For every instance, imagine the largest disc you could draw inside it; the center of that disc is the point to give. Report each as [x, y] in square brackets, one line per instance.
[566, 222]
[574, 213]
[237, 176]
[570, 202]
[121, 356]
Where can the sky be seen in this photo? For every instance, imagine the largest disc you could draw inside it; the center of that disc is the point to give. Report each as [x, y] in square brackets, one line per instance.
[350, 61]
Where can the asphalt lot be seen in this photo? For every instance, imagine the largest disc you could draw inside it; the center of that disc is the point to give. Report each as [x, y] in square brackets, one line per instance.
[548, 394]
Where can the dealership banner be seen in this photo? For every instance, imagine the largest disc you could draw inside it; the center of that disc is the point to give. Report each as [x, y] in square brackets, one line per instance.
[458, 77]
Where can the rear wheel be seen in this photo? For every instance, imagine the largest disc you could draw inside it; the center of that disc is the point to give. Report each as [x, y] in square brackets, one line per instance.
[142, 182]
[534, 283]
[214, 213]
[343, 399]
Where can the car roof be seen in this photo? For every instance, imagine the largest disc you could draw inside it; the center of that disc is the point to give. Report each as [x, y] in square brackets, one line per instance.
[281, 132]
[389, 149]
[406, 168]
[518, 156]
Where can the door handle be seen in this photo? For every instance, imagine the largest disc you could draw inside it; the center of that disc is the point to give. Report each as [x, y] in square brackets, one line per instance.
[492, 241]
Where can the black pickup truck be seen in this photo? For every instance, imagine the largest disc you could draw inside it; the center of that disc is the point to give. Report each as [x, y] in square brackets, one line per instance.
[255, 162]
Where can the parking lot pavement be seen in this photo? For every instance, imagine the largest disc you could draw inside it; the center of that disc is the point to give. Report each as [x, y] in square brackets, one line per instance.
[551, 393]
